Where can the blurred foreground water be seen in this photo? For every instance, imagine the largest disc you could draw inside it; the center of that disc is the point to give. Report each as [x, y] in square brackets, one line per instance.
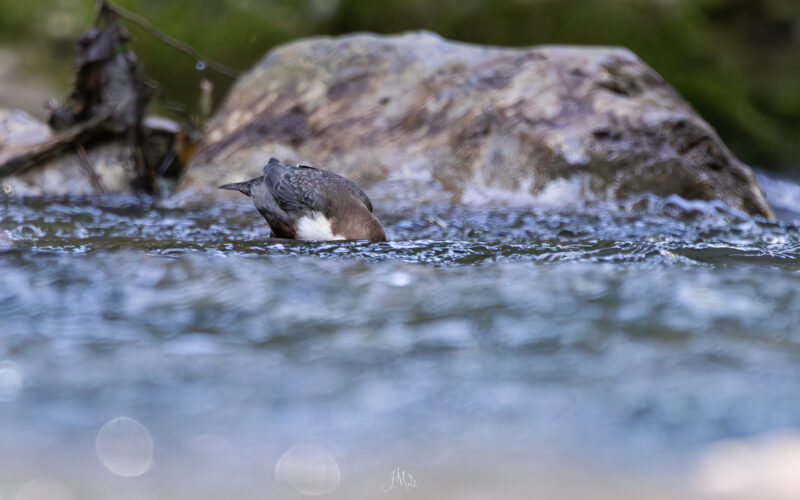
[603, 350]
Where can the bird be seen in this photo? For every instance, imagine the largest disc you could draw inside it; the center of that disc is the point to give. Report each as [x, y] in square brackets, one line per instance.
[307, 203]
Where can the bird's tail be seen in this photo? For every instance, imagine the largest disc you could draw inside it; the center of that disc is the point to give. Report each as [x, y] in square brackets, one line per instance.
[242, 187]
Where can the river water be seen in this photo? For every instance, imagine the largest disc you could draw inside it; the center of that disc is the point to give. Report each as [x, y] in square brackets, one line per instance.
[474, 343]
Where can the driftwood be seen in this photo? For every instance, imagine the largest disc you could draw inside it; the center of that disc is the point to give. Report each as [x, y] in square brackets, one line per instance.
[28, 156]
[108, 93]
[108, 99]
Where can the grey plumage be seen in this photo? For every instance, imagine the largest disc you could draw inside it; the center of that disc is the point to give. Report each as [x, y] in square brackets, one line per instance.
[290, 196]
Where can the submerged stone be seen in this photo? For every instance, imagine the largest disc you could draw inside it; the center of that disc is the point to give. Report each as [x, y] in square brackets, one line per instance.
[418, 118]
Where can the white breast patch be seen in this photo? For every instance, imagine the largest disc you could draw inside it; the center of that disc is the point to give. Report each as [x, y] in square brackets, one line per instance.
[315, 226]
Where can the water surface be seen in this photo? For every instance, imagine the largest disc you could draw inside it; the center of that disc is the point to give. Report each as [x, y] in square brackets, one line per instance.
[616, 331]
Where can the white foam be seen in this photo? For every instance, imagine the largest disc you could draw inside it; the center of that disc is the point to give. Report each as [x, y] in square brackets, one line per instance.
[783, 194]
[561, 192]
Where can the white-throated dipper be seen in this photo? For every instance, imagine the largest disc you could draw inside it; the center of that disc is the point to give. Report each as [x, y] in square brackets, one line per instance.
[307, 203]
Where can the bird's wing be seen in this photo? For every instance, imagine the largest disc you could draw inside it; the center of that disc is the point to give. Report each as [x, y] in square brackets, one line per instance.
[343, 182]
[296, 188]
[364, 198]
[360, 193]
[293, 189]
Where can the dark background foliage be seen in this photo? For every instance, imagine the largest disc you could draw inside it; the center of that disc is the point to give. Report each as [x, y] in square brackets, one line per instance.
[736, 61]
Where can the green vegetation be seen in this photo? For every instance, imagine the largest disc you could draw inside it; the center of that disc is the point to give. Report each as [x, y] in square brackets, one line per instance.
[736, 61]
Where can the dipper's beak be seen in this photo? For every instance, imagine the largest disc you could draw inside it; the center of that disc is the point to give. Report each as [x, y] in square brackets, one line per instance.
[242, 187]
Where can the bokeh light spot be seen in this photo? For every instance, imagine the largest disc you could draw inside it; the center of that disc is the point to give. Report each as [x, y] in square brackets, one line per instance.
[124, 446]
[308, 468]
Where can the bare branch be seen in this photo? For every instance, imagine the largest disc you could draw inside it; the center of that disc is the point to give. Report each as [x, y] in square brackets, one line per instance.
[172, 42]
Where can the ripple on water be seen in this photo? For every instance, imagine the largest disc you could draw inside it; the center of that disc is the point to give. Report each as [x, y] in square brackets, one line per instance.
[660, 324]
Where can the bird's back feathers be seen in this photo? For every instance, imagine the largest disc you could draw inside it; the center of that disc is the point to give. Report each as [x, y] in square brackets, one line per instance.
[306, 187]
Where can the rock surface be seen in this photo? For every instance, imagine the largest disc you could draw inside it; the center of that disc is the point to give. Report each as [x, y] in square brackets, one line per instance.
[111, 162]
[418, 118]
[19, 129]
[67, 176]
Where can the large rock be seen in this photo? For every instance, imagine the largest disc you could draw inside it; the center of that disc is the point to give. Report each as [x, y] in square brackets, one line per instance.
[419, 118]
